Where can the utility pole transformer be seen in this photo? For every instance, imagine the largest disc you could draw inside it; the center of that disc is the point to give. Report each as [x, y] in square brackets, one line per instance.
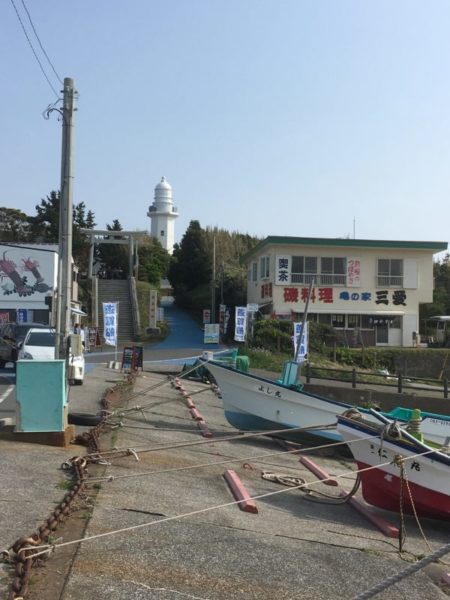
[65, 220]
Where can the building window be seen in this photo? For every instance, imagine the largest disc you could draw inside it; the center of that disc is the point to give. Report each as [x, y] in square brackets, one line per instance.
[390, 272]
[303, 269]
[162, 232]
[254, 271]
[333, 271]
[324, 319]
[353, 321]
[338, 321]
[264, 267]
[366, 322]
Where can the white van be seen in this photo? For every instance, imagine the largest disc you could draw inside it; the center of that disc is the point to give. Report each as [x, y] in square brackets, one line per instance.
[39, 344]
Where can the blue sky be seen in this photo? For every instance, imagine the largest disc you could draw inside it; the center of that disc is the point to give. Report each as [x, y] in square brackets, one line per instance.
[279, 117]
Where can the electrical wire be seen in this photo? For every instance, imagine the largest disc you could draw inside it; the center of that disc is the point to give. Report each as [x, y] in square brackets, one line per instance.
[33, 50]
[40, 43]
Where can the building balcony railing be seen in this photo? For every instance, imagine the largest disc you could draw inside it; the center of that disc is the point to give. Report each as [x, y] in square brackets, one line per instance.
[319, 279]
[389, 281]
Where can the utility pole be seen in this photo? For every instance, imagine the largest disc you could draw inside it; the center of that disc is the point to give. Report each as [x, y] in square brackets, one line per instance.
[213, 285]
[65, 220]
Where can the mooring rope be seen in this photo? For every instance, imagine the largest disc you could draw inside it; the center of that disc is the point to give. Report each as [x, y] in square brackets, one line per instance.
[383, 585]
[47, 548]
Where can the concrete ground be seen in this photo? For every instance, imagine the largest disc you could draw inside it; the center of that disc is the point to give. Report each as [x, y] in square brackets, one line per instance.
[181, 542]
[295, 547]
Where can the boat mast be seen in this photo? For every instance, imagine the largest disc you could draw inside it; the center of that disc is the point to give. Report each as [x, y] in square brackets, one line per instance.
[302, 332]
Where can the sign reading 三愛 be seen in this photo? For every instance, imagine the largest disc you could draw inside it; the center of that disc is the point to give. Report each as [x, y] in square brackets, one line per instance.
[110, 323]
[240, 327]
[303, 351]
[212, 332]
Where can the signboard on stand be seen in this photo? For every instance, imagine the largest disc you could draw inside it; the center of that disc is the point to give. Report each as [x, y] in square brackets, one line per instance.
[206, 316]
[212, 333]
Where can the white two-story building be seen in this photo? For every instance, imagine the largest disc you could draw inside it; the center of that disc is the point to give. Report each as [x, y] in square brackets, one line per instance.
[368, 290]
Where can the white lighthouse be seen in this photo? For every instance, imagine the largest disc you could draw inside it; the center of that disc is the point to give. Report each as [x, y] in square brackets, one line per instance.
[162, 215]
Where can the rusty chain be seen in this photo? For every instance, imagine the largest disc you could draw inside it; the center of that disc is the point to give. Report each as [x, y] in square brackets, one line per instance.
[20, 553]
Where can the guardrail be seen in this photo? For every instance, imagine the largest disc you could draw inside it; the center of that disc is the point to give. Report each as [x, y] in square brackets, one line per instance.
[399, 381]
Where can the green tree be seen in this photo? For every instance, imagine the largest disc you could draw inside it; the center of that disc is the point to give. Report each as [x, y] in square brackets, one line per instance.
[153, 260]
[190, 265]
[441, 293]
[45, 225]
[114, 257]
[14, 225]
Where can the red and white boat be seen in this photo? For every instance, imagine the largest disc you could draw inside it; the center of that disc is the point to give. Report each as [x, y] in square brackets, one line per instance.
[426, 481]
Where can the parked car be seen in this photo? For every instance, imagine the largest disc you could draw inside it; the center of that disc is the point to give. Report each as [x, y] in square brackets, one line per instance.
[14, 334]
[39, 344]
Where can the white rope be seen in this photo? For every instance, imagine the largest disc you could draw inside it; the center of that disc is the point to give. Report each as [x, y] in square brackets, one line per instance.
[239, 436]
[255, 458]
[45, 549]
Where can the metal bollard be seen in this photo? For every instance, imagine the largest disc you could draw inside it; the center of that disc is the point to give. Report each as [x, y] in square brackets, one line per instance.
[400, 383]
[353, 378]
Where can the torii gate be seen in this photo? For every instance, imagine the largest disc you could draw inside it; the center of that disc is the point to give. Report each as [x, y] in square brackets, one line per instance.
[97, 236]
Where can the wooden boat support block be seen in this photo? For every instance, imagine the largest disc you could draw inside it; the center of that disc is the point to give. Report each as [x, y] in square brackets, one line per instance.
[190, 403]
[364, 509]
[318, 471]
[63, 439]
[446, 578]
[195, 414]
[239, 492]
[204, 429]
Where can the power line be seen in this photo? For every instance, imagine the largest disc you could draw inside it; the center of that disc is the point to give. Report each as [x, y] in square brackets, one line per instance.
[40, 44]
[33, 50]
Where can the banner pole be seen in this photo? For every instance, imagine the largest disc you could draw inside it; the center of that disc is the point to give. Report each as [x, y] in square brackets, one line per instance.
[117, 329]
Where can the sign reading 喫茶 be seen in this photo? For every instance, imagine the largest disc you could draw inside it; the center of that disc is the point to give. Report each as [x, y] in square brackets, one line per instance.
[110, 323]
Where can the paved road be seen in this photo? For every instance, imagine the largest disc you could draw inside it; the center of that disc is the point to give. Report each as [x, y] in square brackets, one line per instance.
[184, 341]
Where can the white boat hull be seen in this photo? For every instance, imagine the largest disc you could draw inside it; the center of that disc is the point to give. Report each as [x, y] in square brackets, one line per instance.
[256, 403]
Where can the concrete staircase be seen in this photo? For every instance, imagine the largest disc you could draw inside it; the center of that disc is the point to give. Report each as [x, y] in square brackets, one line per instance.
[117, 290]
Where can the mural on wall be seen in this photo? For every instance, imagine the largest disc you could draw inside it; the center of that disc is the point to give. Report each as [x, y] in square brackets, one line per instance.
[21, 272]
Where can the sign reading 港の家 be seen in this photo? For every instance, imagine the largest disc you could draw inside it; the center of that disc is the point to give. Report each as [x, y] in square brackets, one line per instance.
[240, 327]
[353, 272]
[282, 270]
[110, 323]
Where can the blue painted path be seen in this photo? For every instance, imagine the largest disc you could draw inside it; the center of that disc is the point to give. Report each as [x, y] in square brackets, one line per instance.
[184, 332]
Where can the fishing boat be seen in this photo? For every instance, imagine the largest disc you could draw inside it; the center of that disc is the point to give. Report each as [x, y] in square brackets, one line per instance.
[256, 403]
[408, 474]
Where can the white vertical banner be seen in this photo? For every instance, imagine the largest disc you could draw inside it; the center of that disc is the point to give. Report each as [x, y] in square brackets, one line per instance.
[110, 318]
[303, 352]
[240, 326]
